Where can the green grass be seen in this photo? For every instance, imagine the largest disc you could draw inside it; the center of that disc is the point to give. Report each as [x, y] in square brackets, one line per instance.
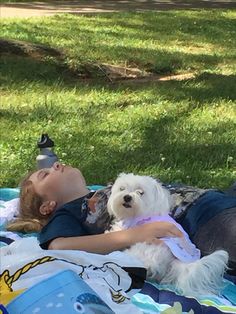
[162, 42]
[178, 131]
[22, 1]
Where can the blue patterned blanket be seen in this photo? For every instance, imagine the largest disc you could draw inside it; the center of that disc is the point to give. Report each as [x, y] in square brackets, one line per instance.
[153, 298]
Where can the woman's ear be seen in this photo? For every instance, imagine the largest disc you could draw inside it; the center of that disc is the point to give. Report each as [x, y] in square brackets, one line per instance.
[47, 207]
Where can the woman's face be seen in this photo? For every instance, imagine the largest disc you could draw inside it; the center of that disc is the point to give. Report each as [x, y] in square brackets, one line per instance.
[58, 182]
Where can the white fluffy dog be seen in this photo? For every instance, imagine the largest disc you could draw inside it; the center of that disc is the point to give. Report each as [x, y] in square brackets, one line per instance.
[136, 200]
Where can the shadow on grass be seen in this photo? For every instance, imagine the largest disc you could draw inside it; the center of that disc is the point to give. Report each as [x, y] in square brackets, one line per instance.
[22, 73]
[105, 161]
[18, 69]
[206, 88]
[121, 5]
[199, 26]
[182, 159]
[209, 87]
[99, 37]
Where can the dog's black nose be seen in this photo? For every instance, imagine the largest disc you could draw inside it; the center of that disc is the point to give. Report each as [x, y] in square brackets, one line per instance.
[127, 198]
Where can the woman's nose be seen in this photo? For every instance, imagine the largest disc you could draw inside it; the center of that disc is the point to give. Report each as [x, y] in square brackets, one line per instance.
[57, 165]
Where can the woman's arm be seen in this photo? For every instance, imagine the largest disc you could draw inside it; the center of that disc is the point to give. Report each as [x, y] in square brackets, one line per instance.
[118, 240]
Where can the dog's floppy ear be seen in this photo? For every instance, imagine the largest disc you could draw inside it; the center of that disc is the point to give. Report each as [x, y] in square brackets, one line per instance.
[162, 199]
[109, 206]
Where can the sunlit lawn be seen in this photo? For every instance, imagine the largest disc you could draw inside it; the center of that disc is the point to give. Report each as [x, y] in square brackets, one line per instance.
[178, 131]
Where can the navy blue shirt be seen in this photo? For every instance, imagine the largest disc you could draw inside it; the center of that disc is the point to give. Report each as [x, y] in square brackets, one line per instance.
[205, 208]
[83, 216]
[66, 221]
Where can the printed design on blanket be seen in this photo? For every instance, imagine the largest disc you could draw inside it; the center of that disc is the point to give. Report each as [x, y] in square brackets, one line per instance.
[115, 280]
[158, 298]
[118, 297]
[6, 280]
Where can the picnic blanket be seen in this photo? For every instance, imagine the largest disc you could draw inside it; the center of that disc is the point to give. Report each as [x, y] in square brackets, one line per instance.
[117, 278]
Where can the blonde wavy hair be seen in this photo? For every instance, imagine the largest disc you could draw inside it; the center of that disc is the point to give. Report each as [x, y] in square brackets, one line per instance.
[29, 219]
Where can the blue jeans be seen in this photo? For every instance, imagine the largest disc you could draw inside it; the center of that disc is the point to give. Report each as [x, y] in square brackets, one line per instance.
[211, 224]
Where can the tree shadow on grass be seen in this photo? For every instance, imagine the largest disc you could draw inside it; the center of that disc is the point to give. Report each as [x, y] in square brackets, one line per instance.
[198, 27]
[124, 6]
[19, 70]
[204, 89]
[210, 87]
[182, 158]
[199, 30]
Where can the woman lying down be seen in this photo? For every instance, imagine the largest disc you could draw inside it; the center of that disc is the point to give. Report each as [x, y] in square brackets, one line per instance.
[56, 202]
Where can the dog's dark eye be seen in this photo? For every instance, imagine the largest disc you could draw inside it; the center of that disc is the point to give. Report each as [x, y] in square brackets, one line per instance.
[122, 188]
[140, 192]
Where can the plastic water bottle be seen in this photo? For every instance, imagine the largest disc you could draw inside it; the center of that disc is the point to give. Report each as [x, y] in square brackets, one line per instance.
[46, 157]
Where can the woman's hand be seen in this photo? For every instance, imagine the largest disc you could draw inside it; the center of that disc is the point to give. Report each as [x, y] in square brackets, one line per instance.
[153, 231]
[119, 240]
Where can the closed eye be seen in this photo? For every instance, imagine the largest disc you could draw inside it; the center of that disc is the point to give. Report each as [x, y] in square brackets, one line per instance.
[45, 174]
[140, 192]
[42, 174]
[122, 188]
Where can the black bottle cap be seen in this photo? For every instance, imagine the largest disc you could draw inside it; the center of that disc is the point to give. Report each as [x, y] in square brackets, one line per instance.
[45, 141]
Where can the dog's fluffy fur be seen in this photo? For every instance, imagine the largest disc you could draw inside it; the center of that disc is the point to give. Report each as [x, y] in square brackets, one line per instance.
[147, 197]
